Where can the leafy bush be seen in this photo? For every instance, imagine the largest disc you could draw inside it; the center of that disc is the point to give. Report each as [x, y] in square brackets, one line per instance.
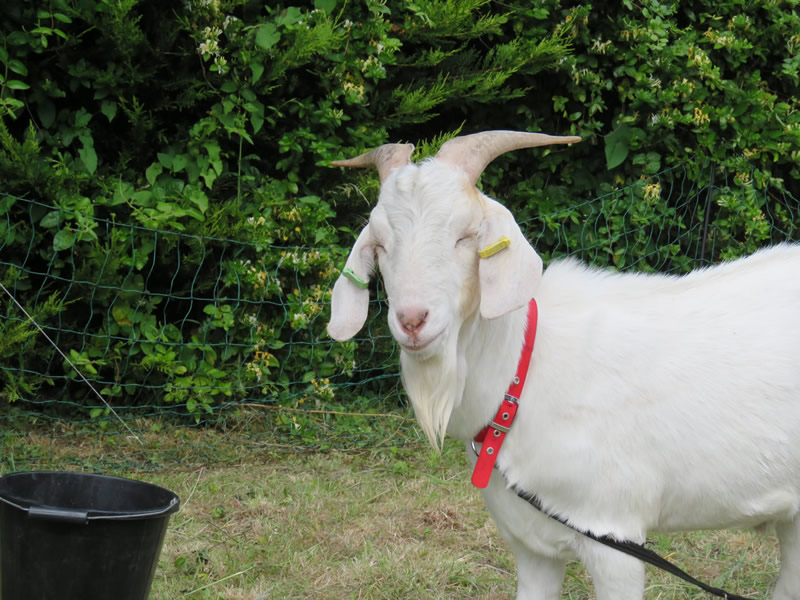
[651, 85]
[168, 213]
[138, 141]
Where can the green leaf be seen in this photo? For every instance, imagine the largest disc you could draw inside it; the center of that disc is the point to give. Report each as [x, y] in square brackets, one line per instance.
[17, 66]
[150, 331]
[88, 155]
[152, 172]
[325, 6]
[122, 192]
[214, 150]
[165, 159]
[16, 84]
[109, 109]
[47, 113]
[209, 177]
[267, 35]
[82, 118]
[257, 69]
[17, 38]
[257, 121]
[198, 198]
[13, 103]
[194, 213]
[179, 161]
[51, 219]
[121, 314]
[617, 148]
[63, 239]
[290, 16]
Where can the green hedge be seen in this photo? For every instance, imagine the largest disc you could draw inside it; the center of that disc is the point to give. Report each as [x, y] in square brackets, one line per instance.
[172, 162]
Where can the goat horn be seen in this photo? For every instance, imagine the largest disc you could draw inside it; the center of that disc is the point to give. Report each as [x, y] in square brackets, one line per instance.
[472, 153]
[385, 158]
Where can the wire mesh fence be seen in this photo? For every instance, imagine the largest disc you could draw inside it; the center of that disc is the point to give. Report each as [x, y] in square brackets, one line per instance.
[174, 329]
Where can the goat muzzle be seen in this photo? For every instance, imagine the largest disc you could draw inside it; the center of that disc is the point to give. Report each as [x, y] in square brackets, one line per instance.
[412, 320]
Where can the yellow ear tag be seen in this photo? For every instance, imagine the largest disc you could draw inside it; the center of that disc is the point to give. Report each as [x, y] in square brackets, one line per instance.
[493, 249]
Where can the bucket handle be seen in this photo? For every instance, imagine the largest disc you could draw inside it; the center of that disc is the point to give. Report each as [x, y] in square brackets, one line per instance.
[67, 515]
[62, 515]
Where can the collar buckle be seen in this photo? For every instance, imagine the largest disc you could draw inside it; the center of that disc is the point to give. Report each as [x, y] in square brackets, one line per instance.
[501, 424]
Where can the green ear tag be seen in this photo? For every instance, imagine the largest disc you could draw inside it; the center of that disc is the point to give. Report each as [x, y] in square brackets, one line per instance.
[360, 283]
[493, 249]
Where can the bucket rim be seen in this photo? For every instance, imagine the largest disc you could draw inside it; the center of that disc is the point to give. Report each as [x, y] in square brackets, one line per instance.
[58, 513]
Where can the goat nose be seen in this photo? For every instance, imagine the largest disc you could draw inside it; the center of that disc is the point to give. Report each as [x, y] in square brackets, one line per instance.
[412, 319]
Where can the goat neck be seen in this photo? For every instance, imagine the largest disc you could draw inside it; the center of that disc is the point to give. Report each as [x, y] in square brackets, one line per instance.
[461, 387]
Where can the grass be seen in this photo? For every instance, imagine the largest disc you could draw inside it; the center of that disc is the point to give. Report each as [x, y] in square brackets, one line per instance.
[385, 525]
[338, 525]
[394, 520]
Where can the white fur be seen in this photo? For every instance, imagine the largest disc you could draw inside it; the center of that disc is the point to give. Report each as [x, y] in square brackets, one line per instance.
[653, 402]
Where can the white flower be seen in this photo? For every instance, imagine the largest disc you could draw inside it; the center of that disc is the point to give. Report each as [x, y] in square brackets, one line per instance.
[208, 48]
[222, 63]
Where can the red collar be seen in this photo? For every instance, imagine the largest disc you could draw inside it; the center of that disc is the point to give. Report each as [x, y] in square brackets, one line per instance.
[502, 421]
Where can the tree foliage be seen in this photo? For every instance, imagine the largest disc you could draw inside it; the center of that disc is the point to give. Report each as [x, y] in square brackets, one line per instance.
[217, 119]
[214, 120]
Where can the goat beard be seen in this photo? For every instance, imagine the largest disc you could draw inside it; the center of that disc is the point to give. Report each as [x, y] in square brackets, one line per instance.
[434, 386]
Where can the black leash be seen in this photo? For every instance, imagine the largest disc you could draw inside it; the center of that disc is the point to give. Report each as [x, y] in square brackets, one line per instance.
[630, 548]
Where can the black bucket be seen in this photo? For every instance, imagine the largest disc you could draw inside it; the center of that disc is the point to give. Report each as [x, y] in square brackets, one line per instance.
[77, 536]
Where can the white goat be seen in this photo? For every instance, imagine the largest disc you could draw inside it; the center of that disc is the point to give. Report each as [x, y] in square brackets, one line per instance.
[653, 402]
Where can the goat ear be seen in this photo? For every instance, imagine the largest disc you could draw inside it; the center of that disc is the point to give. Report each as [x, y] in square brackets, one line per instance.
[510, 269]
[350, 299]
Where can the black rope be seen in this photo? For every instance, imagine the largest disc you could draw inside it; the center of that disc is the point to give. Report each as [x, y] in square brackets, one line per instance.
[630, 548]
